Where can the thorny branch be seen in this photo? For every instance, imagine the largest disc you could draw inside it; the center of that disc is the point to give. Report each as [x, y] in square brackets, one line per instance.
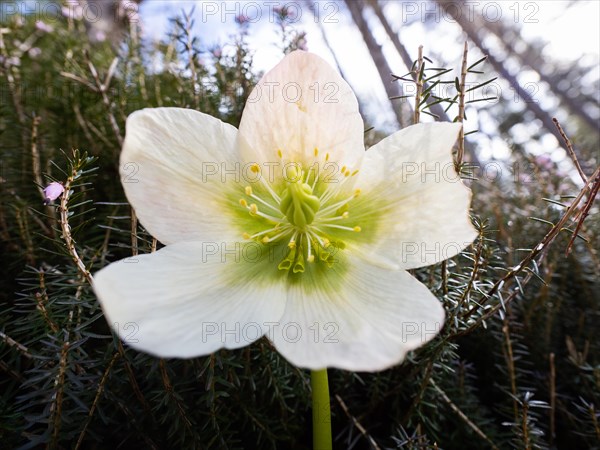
[538, 250]
[66, 228]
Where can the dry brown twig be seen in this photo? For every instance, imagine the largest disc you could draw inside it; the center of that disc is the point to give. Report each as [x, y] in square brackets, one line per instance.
[56, 407]
[462, 415]
[594, 192]
[461, 107]
[418, 75]
[585, 210]
[10, 341]
[99, 391]
[102, 88]
[357, 424]
[570, 150]
[36, 165]
[507, 350]
[42, 300]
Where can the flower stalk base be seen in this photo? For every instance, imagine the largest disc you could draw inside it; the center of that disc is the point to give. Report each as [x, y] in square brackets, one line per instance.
[321, 410]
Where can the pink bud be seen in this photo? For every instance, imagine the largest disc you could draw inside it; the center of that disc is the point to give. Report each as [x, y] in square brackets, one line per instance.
[242, 19]
[34, 52]
[99, 36]
[52, 192]
[44, 27]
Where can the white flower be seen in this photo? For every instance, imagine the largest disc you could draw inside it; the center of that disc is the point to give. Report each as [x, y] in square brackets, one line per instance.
[286, 227]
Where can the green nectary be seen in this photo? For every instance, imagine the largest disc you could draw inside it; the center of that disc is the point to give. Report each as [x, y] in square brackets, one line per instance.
[299, 204]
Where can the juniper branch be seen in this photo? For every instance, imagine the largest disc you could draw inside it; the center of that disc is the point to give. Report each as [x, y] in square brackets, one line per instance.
[537, 251]
[66, 228]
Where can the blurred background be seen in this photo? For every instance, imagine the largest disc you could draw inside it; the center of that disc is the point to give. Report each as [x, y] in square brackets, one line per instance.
[517, 364]
[545, 55]
[546, 51]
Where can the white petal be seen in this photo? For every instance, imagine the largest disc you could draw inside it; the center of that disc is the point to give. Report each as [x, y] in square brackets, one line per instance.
[172, 171]
[182, 301]
[300, 105]
[428, 218]
[368, 324]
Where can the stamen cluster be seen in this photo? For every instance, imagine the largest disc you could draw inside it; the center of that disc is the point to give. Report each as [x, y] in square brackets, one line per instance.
[305, 206]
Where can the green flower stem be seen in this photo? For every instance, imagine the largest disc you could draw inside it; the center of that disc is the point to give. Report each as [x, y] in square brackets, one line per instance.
[321, 410]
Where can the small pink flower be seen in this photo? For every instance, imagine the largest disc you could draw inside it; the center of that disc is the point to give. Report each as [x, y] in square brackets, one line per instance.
[242, 19]
[544, 161]
[302, 44]
[34, 52]
[284, 13]
[100, 36]
[52, 192]
[14, 61]
[44, 27]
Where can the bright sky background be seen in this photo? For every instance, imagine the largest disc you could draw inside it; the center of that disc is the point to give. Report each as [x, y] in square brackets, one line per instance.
[571, 34]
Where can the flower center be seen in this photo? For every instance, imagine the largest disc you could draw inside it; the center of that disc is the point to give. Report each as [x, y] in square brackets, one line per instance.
[298, 202]
[304, 212]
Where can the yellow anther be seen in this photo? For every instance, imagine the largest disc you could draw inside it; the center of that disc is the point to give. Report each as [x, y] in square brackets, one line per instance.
[266, 239]
[356, 193]
[347, 173]
[355, 172]
[345, 215]
[300, 106]
[311, 258]
[326, 242]
[243, 202]
[253, 209]
[246, 236]
[343, 169]
[326, 156]
[279, 153]
[316, 151]
[357, 229]
[248, 190]
[255, 168]
[292, 244]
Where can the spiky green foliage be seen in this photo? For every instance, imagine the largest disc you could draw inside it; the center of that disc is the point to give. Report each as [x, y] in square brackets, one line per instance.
[524, 376]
